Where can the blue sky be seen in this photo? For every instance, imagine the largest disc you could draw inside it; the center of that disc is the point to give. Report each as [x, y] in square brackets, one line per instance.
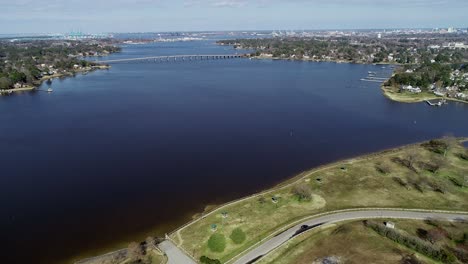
[50, 16]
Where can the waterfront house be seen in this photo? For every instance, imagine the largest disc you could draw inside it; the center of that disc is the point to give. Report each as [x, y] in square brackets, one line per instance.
[411, 89]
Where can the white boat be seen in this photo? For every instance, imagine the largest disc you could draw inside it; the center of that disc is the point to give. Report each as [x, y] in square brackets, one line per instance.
[50, 90]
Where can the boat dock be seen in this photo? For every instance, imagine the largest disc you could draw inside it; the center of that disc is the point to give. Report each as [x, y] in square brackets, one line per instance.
[435, 104]
[372, 80]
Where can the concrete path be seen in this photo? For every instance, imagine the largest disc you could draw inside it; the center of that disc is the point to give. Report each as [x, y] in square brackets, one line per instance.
[277, 240]
[174, 254]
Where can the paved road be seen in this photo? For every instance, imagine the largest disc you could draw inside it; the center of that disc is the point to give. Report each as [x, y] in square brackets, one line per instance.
[279, 239]
[174, 254]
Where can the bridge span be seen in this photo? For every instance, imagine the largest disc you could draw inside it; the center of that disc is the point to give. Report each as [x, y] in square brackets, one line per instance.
[175, 58]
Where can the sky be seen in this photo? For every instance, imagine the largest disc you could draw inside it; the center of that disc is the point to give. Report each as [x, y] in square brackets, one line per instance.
[100, 16]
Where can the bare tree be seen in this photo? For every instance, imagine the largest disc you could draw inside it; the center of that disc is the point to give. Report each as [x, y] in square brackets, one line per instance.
[150, 241]
[439, 162]
[383, 168]
[436, 234]
[303, 192]
[135, 251]
[450, 143]
[412, 157]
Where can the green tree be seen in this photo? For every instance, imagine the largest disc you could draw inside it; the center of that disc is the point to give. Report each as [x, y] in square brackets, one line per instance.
[237, 236]
[16, 76]
[207, 260]
[217, 242]
[5, 83]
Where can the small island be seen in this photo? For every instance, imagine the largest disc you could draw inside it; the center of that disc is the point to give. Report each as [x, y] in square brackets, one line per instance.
[25, 64]
[427, 66]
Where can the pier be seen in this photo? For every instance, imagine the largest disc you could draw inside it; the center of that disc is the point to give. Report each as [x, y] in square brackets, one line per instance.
[372, 80]
[435, 104]
[174, 58]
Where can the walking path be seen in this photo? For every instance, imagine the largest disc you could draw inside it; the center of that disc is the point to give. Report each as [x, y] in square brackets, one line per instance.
[174, 254]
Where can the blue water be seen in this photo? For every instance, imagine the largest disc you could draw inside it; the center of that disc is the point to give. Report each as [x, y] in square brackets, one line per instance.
[143, 145]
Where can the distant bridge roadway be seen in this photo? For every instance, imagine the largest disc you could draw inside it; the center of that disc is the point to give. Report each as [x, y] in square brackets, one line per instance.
[174, 58]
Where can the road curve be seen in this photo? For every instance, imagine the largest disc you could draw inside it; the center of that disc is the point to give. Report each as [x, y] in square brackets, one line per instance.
[282, 237]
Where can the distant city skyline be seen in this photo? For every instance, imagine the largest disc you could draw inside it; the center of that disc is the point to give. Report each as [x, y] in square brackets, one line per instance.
[55, 16]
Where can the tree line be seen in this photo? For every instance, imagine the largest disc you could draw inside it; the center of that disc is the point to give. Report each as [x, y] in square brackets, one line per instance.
[26, 62]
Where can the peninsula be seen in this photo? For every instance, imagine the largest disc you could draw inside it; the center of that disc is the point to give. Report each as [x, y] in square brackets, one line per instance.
[429, 65]
[25, 64]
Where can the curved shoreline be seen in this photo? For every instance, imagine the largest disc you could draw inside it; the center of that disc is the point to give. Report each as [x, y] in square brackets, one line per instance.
[408, 98]
[414, 98]
[213, 208]
[45, 78]
[291, 181]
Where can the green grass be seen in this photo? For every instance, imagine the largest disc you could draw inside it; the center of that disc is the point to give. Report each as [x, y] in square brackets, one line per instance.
[349, 242]
[407, 97]
[359, 185]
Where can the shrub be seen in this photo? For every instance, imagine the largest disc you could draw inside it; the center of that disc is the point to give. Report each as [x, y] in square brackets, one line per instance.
[463, 156]
[135, 251]
[461, 254]
[410, 259]
[383, 168]
[207, 260]
[417, 182]
[431, 167]
[237, 236]
[413, 242]
[303, 192]
[436, 234]
[261, 200]
[436, 187]
[436, 146]
[400, 181]
[407, 163]
[217, 243]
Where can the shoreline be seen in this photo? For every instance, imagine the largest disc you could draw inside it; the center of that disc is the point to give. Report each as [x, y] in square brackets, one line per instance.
[386, 90]
[176, 237]
[315, 60]
[414, 98]
[58, 75]
[212, 208]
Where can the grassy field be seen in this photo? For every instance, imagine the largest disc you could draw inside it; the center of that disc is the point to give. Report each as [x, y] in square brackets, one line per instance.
[334, 241]
[407, 97]
[373, 181]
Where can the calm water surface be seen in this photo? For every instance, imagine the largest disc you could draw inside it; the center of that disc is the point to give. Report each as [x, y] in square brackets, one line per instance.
[110, 155]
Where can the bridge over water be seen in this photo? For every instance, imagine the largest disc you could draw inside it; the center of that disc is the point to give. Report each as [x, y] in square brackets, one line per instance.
[175, 58]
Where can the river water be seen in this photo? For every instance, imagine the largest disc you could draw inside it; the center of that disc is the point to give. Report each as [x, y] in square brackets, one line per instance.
[115, 153]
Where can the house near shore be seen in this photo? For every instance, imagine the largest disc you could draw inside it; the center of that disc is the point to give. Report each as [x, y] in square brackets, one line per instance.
[411, 89]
